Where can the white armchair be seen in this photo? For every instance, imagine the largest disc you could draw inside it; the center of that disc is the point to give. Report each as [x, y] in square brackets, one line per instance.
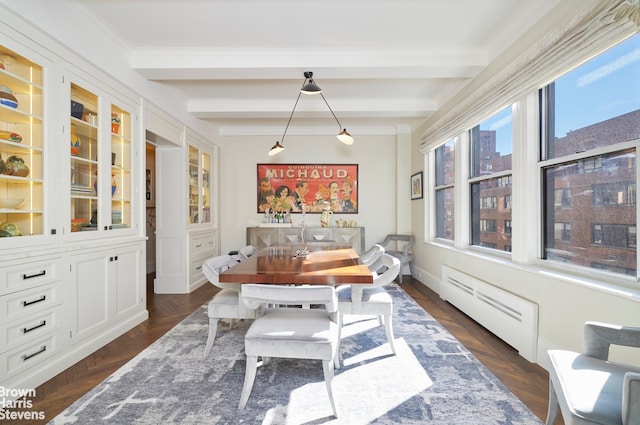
[402, 253]
[372, 299]
[294, 333]
[371, 255]
[587, 387]
[226, 303]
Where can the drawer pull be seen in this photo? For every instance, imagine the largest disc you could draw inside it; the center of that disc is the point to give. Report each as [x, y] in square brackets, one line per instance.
[30, 276]
[39, 300]
[26, 357]
[27, 330]
[199, 268]
[198, 245]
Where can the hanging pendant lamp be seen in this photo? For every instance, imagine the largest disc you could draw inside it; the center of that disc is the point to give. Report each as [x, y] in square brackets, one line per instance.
[309, 87]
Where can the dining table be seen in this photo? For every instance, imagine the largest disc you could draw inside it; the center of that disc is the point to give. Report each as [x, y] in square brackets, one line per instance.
[295, 264]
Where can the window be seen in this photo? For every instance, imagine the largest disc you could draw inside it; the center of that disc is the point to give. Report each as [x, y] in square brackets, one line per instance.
[589, 147]
[445, 157]
[491, 143]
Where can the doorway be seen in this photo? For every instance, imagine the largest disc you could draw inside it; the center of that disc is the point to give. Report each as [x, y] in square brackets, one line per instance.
[150, 202]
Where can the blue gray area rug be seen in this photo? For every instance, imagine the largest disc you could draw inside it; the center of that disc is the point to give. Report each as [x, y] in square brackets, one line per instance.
[433, 379]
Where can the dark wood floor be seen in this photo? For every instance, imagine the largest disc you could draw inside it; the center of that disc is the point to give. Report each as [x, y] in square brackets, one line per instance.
[527, 381]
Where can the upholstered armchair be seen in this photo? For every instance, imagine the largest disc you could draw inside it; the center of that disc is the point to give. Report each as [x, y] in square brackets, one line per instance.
[402, 253]
[590, 389]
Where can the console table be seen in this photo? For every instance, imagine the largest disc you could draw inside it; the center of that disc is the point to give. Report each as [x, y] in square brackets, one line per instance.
[262, 237]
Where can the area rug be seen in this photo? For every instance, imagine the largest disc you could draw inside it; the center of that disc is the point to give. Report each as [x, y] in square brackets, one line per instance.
[433, 379]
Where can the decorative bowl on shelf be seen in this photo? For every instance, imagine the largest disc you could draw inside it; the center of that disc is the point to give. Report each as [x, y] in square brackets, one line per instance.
[11, 203]
[10, 136]
[11, 228]
[15, 166]
[7, 98]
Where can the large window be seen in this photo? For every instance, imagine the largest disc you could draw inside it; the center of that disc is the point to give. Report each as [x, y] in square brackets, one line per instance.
[589, 150]
[445, 158]
[491, 148]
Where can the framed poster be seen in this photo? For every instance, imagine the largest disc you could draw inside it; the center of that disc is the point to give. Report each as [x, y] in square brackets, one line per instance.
[416, 186]
[286, 187]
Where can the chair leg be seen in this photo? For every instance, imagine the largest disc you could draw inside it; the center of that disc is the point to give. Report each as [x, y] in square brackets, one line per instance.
[388, 327]
[327, 367]
[552, 410]
[336, 358]
[249, 377]
[213, 327]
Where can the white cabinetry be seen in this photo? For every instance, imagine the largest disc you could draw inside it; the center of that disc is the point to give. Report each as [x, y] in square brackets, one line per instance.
[31, 317]
[201, 246]
[105, 288]
[72, 279]
[185, 236]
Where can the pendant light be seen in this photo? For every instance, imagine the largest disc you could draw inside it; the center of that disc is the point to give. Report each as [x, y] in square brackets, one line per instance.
[309, 87]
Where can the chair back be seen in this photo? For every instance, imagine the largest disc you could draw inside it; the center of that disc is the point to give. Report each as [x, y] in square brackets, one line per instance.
[409, 241]
[246, 252]
[372, 254]
[212, 267]
[255, 294]
[387, 268]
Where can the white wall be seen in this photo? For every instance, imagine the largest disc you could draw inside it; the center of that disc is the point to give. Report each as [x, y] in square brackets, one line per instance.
[378, 186]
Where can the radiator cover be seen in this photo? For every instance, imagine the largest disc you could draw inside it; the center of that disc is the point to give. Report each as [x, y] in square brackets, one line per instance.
[509, 316]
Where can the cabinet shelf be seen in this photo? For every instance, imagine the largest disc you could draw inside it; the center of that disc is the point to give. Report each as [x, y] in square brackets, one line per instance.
[16, 116]
[6, 145]
[18, 84]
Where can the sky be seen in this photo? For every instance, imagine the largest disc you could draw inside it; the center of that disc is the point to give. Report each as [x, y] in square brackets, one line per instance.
[605, 87]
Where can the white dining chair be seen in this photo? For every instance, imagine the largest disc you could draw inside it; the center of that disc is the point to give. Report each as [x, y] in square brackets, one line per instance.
[403, 253]
[226, 303]
[371, 299]
[372, 254]
[291, 332]
[245, 252]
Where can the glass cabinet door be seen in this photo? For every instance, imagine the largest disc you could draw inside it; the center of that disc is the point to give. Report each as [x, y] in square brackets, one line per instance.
[206, 188]
[194, 185]
[120, 168]
[21, 146]
[84, 170]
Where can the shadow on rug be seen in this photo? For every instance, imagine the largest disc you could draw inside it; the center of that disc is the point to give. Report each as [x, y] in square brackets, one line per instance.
[432, 379]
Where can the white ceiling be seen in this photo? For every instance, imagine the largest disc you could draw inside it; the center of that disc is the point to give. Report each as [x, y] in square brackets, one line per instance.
[380, 63]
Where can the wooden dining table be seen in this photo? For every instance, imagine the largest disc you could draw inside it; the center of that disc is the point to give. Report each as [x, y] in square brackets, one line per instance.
[324, 265]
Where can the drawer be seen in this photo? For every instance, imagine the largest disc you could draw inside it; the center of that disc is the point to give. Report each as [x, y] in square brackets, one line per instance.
[26, 329]
[202, 246]
[30, 301]
[318, 235]
[28, 275]
[31, 355]
[195, 272]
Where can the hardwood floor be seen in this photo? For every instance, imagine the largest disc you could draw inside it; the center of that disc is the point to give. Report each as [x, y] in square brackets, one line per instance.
[527, 381]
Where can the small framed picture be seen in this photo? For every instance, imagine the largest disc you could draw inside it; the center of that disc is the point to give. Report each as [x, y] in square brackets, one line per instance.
[416, 186]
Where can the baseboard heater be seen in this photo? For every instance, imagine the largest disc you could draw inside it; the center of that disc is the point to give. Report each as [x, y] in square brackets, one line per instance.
[510, 317]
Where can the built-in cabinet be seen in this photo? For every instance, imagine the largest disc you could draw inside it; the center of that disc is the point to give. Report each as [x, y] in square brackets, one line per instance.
[262, 237]
[22, 148]
[72, 251]
[100, 162]
[104, 289]
[187, 236]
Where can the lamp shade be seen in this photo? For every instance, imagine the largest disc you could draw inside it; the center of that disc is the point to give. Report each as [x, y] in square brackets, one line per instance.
[309, 86]
[276, 149]
[345, 137]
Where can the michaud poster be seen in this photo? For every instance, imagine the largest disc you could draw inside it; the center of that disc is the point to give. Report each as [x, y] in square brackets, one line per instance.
[286, 187]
